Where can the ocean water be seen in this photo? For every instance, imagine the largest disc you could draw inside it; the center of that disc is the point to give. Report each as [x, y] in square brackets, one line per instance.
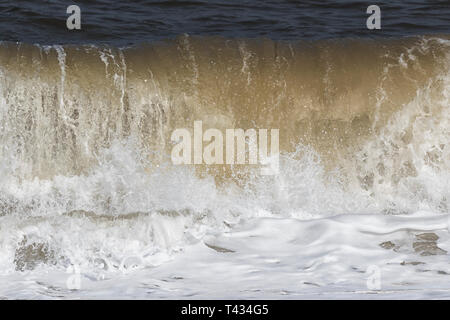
[123, 23]
[92, 206]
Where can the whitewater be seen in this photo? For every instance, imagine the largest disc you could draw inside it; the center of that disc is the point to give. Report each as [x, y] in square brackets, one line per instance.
[91, 205]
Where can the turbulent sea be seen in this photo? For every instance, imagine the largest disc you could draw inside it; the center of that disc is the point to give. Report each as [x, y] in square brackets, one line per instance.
[91, 205]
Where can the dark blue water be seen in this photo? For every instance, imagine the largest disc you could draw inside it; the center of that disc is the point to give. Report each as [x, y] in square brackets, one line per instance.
[136, 21]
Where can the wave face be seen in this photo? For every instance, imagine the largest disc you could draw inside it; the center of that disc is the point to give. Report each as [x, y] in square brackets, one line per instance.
[85, 140]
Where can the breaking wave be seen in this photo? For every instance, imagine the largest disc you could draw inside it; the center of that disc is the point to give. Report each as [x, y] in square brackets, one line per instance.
[86, 176]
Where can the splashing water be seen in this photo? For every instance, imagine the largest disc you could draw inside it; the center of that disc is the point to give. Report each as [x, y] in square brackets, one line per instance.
[86, 179]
